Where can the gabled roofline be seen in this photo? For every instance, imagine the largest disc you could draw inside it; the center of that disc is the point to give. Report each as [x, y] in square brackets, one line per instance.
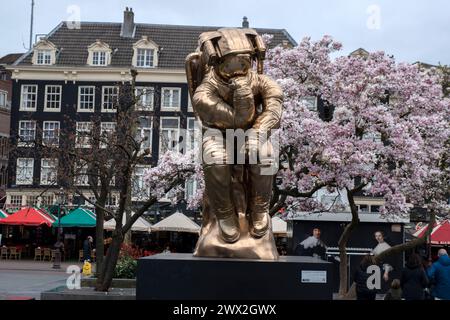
[31, 49]
[289, 37]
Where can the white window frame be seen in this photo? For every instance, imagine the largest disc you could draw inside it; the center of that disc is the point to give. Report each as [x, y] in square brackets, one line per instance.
[52, 170]
[149, 57]
[44, 57]
[99, 58]
[79, 109]
[163, 98]
[47, 100]
[22, 143]
[141, 131]
[3, 94]
[161, 135]
[189, 132]
[29, 180]
[140, 179]
[82, 178]
[190, 107]
[107, 96]
[307, 100]
[15, 203]
[144, 105]
[113, 125]
[83, 126]
[194, 188]
[24, 101]
[44, 130]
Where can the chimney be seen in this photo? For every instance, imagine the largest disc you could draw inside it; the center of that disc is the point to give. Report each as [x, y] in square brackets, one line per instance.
[245, 23]
[128, 24]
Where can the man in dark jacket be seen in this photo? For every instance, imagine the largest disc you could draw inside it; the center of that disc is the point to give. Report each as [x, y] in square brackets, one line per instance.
[414, 280]
[439, 274]
[87, 247]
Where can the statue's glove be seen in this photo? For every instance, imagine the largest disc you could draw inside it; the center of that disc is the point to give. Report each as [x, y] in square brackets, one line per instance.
[243, 102]
[241, 87]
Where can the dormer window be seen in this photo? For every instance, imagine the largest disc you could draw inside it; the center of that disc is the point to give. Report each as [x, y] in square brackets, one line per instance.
[99, 54]
[145, 53]
[44, 57]
[44, 53]
[99, 58]
[145, 58]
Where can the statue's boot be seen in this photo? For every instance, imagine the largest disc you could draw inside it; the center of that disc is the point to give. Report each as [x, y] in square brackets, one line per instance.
[218, 189]
[260, 192]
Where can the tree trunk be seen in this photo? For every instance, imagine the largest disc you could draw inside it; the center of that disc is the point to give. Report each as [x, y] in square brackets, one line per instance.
[110, 263]
[343, 240]
[128, 216]
[99, 241]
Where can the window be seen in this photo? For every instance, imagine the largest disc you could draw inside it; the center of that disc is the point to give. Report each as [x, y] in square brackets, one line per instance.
[32, 201]
[310, 103]
[50, 133]
[375, 208]
[190, 188]
[47, 200]
[81, 177]
[52, 98]
[44, 57]
[171, 99]
[109, 99]
[169, 136]
[99, 58]
[190, 108]
[111, 201]
[16, 201]
[99, 54]
[144, 133]
[145, 96]
[24, 171]
[363, 208]
[140, 191]
[3, 99]
[86, 99]
[107, 129]
[192, 131]
[145, 58]
[27, 133]
[83, 135]
[29, 98]
[49, 169]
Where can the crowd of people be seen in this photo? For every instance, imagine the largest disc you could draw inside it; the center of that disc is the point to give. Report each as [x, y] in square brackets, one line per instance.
[419, 279]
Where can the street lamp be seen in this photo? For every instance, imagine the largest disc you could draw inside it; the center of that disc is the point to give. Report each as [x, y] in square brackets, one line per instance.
[57, 252]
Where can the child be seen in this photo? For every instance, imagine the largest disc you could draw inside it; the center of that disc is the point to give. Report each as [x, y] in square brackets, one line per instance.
[395, 292]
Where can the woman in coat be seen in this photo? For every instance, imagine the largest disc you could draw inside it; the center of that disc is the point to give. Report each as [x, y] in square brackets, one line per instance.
[414, 279]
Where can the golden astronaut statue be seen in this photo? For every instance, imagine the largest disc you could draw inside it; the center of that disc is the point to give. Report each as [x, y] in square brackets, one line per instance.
[228, 94]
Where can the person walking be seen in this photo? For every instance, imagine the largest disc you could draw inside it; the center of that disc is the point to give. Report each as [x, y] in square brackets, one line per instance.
[87, 247]
[360, 278]
[439, 274]
[414, 279]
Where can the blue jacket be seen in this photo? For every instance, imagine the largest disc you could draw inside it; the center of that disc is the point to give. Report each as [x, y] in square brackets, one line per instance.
[439, 273]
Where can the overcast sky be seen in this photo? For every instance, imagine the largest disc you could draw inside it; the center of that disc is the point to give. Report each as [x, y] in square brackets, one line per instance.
[411, 30]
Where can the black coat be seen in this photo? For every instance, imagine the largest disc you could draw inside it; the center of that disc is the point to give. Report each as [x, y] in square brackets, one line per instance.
[360, 278]
[413, 281]
[87, 247]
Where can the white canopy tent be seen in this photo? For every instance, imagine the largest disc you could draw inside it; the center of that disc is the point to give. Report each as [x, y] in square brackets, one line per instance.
[177, 222]
[141, 225]
[279, 227]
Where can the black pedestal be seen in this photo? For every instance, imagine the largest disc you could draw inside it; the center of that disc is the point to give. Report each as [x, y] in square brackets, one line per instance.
[184, 277]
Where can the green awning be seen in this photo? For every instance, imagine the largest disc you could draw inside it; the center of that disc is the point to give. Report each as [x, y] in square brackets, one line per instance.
[77, 218]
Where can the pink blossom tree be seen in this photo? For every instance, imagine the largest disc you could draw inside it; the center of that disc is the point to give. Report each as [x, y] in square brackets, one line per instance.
[386, 137]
